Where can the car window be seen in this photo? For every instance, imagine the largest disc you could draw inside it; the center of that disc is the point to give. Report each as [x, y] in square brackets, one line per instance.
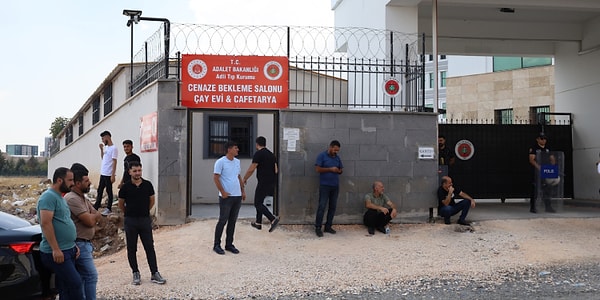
[8, 222]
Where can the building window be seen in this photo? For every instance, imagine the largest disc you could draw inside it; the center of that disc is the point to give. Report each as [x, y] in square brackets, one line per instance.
[69, 135]
[430, 57]
[80, 122]
[502, 63]
[96, 111]
[504, 116]
[107, 99]
[443, 79]
[430, 75]
[443, 56]
[535, 114]
[224, 128]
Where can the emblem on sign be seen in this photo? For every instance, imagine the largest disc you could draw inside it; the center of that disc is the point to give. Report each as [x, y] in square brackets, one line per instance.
[197, 69]
[464, 149]
[391, 87]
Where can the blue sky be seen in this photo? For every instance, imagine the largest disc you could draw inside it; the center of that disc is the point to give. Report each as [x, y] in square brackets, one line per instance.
[56, 53]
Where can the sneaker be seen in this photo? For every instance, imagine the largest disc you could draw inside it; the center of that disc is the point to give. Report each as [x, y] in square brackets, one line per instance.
[319, 232]
[447, 221]
[256, 225]
[156, 278]
[371, 230]
[274, 224]
[136, 278]
[106, 212]
[463, 222]
[219, 250]
[381, 229]
[232, 249]
[330, 230]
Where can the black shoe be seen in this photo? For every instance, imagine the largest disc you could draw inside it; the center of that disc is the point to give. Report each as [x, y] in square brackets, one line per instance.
[447, 221]
[371, 230]
[274, 224]
[381, 229]
[330, 230]
[463, 222]
[533, 211]
[218, 250]
[255, 225]
[319, 232]
[550, 210]
[232, 249]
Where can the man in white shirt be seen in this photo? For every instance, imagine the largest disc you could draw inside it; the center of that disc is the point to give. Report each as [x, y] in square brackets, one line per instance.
[108, 154]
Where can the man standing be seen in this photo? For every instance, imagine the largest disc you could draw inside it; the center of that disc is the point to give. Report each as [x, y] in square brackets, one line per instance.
[329, 166]
[265, 164]
[229, 182]
[85, 217]
[538, 148]
[108, 154]
[448, 207]
[136, 198]
[129, 157]
[380, 209]
[446, 158]
[58, 250]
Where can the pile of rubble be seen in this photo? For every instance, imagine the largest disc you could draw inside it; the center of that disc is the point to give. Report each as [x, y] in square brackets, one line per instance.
[20, 199]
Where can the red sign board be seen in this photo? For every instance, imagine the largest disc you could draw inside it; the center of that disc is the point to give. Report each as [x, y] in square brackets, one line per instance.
[223, 81]
[149, 132]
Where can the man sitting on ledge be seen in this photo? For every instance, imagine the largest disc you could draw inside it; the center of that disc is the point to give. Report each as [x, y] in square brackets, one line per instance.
[447, 207]
[380, 209]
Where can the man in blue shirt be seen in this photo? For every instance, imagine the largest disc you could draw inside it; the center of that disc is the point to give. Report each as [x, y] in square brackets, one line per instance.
[329, 166]
[58, 249]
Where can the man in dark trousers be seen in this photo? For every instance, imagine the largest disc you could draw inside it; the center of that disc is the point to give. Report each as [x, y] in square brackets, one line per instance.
[129, 157]
[380, 209]
[329, 166]
[538, 148]
[136, 198]
[108, 154]
[265, 164]
[227, 178]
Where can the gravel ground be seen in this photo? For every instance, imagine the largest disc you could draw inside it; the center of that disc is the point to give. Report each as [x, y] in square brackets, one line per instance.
[508, 259]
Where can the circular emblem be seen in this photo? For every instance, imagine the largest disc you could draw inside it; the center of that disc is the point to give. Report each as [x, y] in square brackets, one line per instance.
[391, 87]
[273, 70]
[464, 149]
[197, 68]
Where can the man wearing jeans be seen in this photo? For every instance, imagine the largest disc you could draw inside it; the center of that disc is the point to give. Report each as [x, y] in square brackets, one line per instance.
[229, 182]
[448, 207]
[108, 154]
[329, 166]
[57, 249]
[85, 217]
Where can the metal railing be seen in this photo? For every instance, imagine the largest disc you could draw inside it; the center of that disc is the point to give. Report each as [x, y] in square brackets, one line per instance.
[343, 68]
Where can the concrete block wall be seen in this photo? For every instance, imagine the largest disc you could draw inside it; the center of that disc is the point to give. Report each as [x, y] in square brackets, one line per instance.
[374, 146]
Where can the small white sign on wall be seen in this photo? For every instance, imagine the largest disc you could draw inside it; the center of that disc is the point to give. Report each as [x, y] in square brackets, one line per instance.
[426, 153]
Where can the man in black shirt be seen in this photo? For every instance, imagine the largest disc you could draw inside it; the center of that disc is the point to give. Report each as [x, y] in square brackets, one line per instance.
[448, 207]
[265, 164]
[129, 157]
[136, 198]
[538, 147]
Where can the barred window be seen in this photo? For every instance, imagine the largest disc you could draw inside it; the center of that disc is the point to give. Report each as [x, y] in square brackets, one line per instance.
[107, 99]
[80, 124]
[96, 111]
[224, 128]
[504, 116]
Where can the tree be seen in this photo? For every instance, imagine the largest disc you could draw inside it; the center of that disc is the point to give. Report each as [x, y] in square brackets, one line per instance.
[58, 125]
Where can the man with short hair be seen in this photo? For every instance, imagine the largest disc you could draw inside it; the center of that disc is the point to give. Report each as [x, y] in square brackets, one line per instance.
[129, 157]
[542, 149]
[85, 217]
[136, 198]
[265, 164]
[380, 209]
[58, 251]
[108, 169]
[329, 166]
[448, 207]
[228, 180]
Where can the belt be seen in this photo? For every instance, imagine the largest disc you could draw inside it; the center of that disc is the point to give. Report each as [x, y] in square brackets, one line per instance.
[82, 240]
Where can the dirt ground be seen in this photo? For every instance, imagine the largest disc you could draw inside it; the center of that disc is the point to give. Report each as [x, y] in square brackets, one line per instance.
[292, 261]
